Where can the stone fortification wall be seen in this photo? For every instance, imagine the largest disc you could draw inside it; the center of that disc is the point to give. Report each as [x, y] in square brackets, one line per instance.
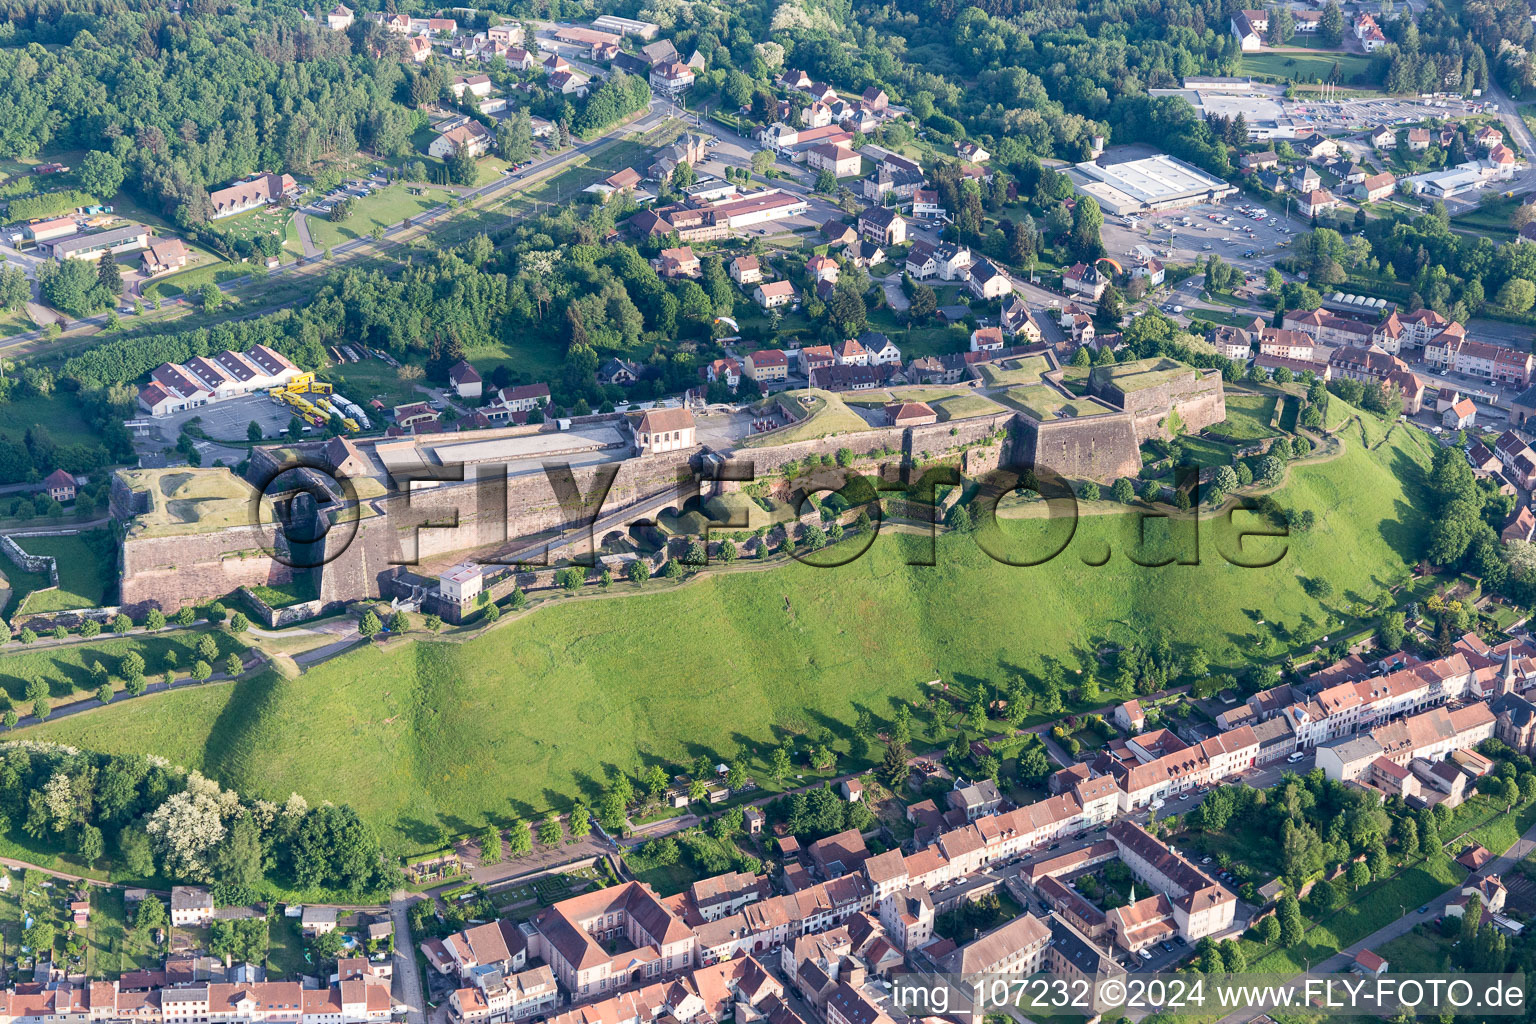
[168, 572]
[1099, 447]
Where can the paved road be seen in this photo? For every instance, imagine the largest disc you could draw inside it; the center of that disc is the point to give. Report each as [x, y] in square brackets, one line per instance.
[91, 703]
[406, 967]
[1510, 115]
[45, 526]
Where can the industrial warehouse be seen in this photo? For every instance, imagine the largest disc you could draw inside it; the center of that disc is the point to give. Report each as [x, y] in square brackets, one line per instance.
[1158, 182]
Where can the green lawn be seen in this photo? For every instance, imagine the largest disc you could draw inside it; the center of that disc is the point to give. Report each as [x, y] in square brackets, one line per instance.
[285, 949]
[67, 668]
[1044, 402]
[368, 379]
[530, 715]
[1220, 316]
[824, 413]
[1490, 217]
[15, 321]
[1248, 417]
[58, 413]
[1374, 907]
[264, 220]
[187, 282]
[87, 571]
[113, 947]
[1023, 371]
[1301, 66]
[1421, 951]
[385, 207]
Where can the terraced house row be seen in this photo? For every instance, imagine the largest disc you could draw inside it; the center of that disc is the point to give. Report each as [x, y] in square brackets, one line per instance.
[360, 995]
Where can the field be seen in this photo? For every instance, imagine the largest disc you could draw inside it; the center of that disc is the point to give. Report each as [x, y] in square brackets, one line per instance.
[1303, 66]
[385, 207]
[1248, 417]
[532, 714]
[58, 414]
[85, 575]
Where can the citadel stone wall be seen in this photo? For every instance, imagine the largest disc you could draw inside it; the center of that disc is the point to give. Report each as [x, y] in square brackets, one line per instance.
[1199, 399]
[1101, 447]
[169, 572]
[482, 515]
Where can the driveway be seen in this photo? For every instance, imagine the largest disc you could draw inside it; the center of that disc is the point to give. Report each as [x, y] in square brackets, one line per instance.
[301, 225]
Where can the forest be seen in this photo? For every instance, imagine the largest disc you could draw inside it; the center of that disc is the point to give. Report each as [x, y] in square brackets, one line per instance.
[147, 820]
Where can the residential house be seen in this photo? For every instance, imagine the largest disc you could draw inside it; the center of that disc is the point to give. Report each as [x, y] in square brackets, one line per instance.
[987, 339]
[1130, 717]
[60, 486]
[671, 79]
[318, 920]
[1316, 202]
[881, 351]
[1084, 279]
[822, 268]
[849, 352]
[618, 371]
[745, 270]
[988, 281]
[883, 225]
[724, 371]
[521, 398]
[260, 190]
[1250, 38]
[971, 152]
[839, 159]
[164, 254]
[465, 380]
[1459, 416]
[772, 294]
[767, 365]
[1375, 187]
[471, 135]
[680, 262]
[478, 86]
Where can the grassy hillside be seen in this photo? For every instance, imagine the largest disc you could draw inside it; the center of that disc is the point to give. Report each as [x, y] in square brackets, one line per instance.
[531, 714]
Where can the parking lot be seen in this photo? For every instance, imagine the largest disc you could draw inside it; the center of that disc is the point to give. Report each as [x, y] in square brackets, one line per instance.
[228, 419]
[346, 190]
[1190, 234]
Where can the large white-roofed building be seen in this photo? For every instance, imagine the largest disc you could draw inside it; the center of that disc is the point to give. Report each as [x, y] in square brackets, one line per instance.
[1158, 182]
